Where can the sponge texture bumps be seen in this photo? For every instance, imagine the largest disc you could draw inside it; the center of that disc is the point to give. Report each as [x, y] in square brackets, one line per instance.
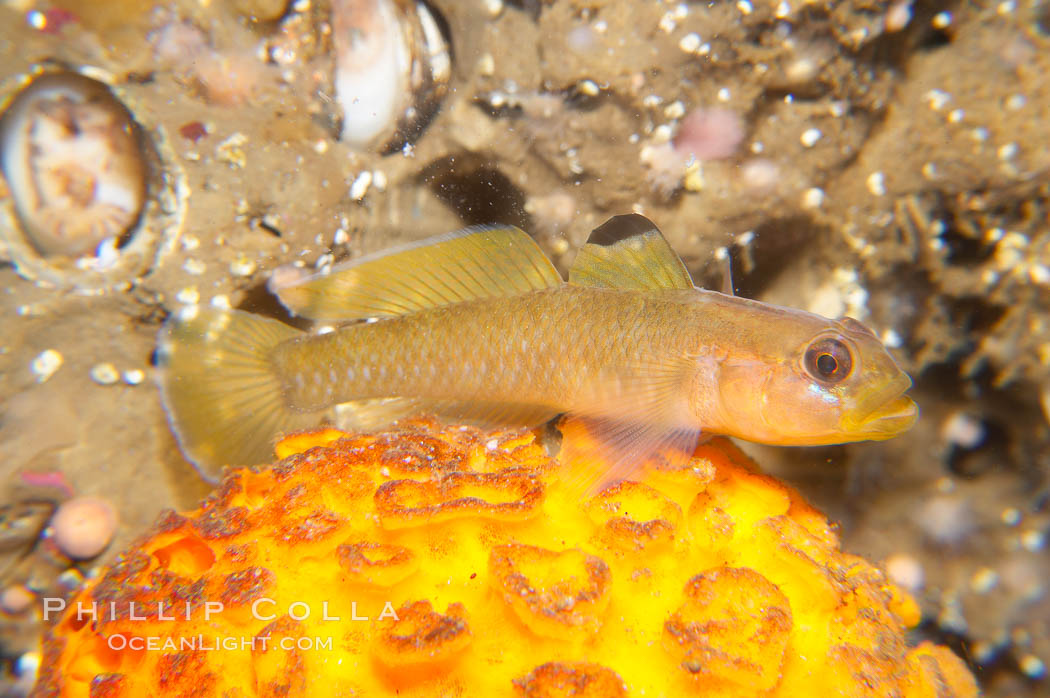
[448, 561]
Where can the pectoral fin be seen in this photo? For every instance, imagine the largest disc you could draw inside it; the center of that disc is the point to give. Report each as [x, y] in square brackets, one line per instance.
[475, 263]
[629, 252]
[599, 452]
[636, 414]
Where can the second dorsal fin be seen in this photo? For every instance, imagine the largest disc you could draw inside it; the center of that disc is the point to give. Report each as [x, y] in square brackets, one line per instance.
[480, 262]
[629, 252]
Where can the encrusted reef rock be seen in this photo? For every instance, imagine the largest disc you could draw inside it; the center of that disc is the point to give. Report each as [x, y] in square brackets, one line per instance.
[449, 561]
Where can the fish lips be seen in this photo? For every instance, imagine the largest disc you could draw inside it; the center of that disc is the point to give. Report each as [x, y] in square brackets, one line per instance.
[896, 416]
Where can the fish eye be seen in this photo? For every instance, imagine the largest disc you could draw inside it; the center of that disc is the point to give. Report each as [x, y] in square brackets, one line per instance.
[828, 360]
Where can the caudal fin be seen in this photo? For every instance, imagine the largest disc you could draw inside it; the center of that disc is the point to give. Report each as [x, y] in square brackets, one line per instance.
[223, 399]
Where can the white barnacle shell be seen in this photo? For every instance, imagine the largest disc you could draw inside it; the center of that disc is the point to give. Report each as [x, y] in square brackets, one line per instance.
[70, 154]
[392, 67]
[92, 201]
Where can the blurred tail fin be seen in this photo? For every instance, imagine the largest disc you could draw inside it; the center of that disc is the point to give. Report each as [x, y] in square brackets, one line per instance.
[223, 398]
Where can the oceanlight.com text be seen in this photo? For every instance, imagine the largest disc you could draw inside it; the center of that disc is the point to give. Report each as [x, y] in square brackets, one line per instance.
[211, 643]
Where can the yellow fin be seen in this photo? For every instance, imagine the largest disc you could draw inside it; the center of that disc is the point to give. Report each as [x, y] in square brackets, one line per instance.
[369, 415]
[637, 414]
[629, 252]
[601, 452]
[467, 265]
[223, 398]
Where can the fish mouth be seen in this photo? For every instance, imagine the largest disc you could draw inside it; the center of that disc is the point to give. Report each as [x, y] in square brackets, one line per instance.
[892, 418]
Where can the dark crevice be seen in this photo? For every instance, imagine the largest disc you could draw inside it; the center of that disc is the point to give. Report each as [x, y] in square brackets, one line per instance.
[258, 299]
[476, 191]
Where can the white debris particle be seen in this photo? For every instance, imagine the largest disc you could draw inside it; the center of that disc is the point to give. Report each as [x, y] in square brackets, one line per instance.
[133, 376]
[487, 65]
[221, 302]
[104, 374]
[379, 180]
[667, 23]
[1008, 151]
[1011, 516]
[1039, 274]
[1016, 102]
[681, 11]
[190, 243]
[690, 43]
[320, 146]
[662, 134]
[937, 99]
[675, 110]
[492, 444]
[812, 198]
[493, 7]
[942, 20]
[929, 171]
[745, 7]
[810, 137]
[1032, 666]
[230, 151]
[589, 88]
[963, 430]
[892, 339]
[189, 296]
[783, 10]
[1006, 7]
[877, 183]
[984, 580]
[905, 571]
[1033, 540]
[45, 364]
[723, 94]
[360, 185]
[242, 266]
[341, 237]
[601, 26]
[898, 16]
[955, 116]
[760, 174]
[194, 266]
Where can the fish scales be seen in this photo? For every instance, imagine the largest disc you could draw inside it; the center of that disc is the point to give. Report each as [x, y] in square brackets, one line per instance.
[545, 347]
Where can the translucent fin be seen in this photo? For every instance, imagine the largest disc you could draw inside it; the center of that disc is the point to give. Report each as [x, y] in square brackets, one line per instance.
[467, 265]
[629, 252]
[727, 274]
[600, 452]
[638, 414]
[223, 398]
[368, 415]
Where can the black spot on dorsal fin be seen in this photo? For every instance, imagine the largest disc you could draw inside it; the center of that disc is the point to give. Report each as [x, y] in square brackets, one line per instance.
[619, 228]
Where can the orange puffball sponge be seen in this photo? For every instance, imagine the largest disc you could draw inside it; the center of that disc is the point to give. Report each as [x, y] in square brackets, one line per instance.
[449, 561]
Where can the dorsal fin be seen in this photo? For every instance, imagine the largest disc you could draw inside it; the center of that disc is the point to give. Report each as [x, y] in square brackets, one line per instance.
[478, 262]
[629, 252]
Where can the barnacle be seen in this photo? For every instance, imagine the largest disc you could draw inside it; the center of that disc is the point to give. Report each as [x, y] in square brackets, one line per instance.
[458, 562]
